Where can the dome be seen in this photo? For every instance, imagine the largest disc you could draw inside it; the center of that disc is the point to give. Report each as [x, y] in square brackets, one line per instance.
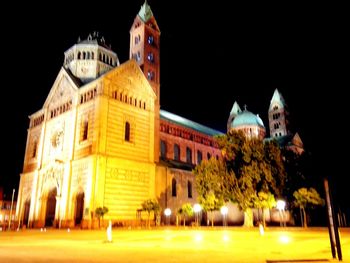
[247, 118]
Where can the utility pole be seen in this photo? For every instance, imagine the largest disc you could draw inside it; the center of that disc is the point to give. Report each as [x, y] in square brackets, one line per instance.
[332, 224]
[13, 194]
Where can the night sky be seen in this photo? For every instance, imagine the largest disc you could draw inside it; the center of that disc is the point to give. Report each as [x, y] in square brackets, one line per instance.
[212, 54]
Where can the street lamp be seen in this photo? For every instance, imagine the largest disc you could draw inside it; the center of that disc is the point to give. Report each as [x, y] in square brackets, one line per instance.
[197, 208]
[224, 211]
[167, 213]
[13, 194]
[280, 204]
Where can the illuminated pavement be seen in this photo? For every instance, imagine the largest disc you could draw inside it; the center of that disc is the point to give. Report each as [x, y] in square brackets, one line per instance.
[170, 245]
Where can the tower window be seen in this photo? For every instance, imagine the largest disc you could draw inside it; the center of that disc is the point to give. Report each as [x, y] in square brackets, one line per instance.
[84, 130]
[188, 155]
[162, 149]
[189, 189]
[150, 75]
[150, 57]
[150, 40]
[127, 132]
[35, 146]
[176, 152]
[173, 187]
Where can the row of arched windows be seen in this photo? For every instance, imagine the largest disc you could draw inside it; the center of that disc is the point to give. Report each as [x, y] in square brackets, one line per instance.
[87, 55]
[37, 121]
[174, 188]
[87, 96]
[130, 100]
[276, 116]
[61, 109]
[177, 153]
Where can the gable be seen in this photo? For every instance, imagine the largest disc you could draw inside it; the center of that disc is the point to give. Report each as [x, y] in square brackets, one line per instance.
[63, 89]
[129, 78]
[297, 140]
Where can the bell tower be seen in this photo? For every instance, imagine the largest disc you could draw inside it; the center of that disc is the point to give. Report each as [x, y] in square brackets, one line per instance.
[144, 48]
[278, 116]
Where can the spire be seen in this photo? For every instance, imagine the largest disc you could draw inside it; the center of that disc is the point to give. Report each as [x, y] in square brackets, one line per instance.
[145, 12]
[277, 99]
[235, 109]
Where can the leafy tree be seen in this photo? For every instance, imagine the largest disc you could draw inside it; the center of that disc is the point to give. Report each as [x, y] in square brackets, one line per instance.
[252, 166]
[100, 212]
[265, 200]
[185, 210]
[150, 205]
[306, 198]
[210, 185]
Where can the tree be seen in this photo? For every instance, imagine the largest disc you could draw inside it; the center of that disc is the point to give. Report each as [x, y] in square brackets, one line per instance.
[264, 200]
[150, 205]
[306, 198]
[100, 212]
[252, 166]
[185, 210]
[210, 185]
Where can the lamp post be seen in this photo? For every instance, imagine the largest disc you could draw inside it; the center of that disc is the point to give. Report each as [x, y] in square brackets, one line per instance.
[280, 204]
[167, 213]
[13, 194]
[224, 211]
[197, 208]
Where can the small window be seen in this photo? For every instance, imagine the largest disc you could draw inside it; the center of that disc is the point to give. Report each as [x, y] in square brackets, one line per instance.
[173, 187]
[176, 152]
[199, 157]
[84, 130]
[127, 132]
[189, 189]
[208, 156]
[150, 40]
[150, 57]
[150, 75]
[35, 146]
[162, 149]
[188, 155]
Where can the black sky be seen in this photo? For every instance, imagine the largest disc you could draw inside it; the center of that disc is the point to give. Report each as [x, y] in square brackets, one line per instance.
[212, 53]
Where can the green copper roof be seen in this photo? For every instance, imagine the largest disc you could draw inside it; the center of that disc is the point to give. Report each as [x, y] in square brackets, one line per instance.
[145, 12]
[247, 118]
[277, 99]
[165, 115]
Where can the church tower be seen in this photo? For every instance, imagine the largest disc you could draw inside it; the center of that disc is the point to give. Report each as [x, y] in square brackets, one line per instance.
[278, 116]
[90, 58]
[144, 48]
[233, 114]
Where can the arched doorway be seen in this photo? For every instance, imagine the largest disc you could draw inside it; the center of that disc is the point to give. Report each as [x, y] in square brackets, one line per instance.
[50, 207]
[79, 208]
[26, 212]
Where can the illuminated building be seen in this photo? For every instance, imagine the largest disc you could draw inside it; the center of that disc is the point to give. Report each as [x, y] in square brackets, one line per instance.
[97, 139]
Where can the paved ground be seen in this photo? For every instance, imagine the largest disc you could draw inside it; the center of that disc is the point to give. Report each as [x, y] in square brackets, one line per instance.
[171, 245]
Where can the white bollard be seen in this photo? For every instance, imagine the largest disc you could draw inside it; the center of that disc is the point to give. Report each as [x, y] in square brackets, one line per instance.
[109, 231]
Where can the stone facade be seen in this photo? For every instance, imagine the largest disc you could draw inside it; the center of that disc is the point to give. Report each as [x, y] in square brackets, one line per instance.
[96, 140]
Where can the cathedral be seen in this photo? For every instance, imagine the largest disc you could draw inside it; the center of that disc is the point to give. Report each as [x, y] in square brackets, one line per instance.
[101, 139]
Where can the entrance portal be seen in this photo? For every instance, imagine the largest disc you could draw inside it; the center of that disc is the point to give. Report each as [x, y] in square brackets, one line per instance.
[50, 208]
[79, 208]
[26, 212]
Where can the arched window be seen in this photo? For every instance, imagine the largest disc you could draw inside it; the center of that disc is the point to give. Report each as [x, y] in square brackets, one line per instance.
[79, 55]
[127, 132]
[100, 57]
[162, 149]
[150, 39]
[173, 187]
[87, 55]
[84, 130]
[188, 155]
[92, 55]
[208, 156]
[199, 157]
[84, 55]
[176, 152]
[35, 146]
[189, 189]
[150, 57]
